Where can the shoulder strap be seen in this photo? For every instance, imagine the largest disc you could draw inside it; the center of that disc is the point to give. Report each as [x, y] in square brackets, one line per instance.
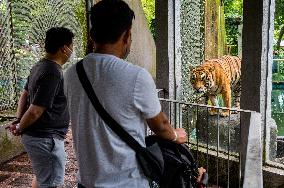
[126, 137]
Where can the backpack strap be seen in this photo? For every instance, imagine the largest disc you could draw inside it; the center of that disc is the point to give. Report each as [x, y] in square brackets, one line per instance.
[125, 136]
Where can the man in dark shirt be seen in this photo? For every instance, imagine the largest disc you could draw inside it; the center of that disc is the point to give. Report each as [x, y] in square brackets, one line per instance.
[42, 115]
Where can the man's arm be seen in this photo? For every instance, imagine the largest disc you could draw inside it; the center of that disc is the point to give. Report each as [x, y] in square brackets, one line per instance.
[22, 104]
[161, 126]
[30, 116]
[21, 108]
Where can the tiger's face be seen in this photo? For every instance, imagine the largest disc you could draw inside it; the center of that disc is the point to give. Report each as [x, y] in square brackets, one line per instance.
[201, 79]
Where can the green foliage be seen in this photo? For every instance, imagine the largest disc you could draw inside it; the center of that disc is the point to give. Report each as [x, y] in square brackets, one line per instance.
[149, 10]
[233, 8]
[80, 12]
[233, 17]
[278, 18]
[31, 19]
[278, 77]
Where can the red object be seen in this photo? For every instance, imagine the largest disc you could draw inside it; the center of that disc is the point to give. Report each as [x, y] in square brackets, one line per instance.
[200, 185]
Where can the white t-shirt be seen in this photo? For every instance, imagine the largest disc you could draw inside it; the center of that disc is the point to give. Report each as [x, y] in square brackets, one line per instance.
[128, 93]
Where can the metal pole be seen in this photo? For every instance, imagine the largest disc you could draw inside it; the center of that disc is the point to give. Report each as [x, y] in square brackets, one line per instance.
[90, 46]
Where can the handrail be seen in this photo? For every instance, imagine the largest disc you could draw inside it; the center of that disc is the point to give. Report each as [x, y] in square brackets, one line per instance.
[249, 153]
[278, 59]
[204, 105]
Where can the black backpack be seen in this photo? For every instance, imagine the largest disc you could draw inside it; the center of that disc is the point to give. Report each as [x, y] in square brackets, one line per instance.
[180, 168]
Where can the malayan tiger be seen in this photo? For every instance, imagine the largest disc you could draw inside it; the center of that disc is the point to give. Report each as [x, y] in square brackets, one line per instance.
[218, 76]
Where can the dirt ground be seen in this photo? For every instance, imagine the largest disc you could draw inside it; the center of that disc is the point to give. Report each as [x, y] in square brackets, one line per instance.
[17, 173]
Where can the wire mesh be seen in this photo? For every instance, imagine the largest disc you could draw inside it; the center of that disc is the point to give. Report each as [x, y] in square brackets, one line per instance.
[23, 25]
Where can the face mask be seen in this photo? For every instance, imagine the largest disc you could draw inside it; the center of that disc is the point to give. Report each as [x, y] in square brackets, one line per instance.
[72, 55]
[126, 52]
[128, 46]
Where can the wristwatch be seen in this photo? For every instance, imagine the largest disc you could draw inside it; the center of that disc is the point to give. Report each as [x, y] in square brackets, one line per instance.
[18, 128]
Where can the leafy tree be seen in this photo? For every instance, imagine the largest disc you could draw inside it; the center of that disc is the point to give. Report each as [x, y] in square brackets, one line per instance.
[149, 10]
[233, 18]
[279, 22]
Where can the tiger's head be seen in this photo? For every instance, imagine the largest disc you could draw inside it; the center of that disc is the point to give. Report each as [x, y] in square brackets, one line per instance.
[201, 79]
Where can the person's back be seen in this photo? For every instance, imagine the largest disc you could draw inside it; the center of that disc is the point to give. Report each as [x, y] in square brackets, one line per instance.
[54, 122]
[118, 87]
[128, 94]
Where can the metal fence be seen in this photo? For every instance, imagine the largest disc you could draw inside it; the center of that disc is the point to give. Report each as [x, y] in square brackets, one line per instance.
[216, 141]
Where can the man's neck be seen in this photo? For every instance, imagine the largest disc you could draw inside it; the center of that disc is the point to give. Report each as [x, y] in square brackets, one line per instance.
[54, 58]
[112, 49]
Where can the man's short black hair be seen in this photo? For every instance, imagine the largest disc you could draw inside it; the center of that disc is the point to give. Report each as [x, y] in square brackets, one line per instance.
[56, 38]
[109, 19]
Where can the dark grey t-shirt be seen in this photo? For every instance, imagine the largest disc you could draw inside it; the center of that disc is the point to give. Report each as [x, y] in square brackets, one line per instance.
[45, 88]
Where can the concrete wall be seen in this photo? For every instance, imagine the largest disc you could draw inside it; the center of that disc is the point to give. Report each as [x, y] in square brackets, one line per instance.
[256, 63]
[180, 44]
[143, 49]
[10, 146]
[214, 29]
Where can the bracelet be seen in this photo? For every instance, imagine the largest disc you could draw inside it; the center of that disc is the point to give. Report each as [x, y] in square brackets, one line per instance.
[176, 137]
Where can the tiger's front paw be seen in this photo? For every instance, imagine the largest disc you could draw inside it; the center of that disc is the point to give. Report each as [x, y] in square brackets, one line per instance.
[234, 112]
[213, 111]
[237, 106]
[225, 113]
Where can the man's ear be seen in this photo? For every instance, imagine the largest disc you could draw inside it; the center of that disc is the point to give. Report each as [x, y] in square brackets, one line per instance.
[62, 50]
[126, 35]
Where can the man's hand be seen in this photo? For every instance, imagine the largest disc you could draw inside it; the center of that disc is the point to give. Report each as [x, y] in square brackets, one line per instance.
[13, 128]
[161, 126]
[181, 136]
[201, 172]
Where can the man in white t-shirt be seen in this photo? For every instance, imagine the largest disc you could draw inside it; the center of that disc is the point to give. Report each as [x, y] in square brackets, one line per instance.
[126, 91]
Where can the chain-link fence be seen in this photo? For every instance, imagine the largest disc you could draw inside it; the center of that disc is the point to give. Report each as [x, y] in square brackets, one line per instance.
[23, 24]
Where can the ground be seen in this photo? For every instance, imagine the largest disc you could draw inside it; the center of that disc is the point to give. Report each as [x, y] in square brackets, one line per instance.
[17, 173]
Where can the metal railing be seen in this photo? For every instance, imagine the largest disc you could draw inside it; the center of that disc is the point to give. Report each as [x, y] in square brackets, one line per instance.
[216, 141]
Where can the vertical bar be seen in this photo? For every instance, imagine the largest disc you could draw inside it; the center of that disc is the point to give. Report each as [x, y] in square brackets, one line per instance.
[228, 167]
[240, 152]
[218, 139]
[170, 112]
[188, 123]
[179, 116]
[173, 113]
[90, 47]
[207, 142]
[13, 58]
[197, 132]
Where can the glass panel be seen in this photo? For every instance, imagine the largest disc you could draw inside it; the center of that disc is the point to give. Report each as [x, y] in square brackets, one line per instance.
[277, 95]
